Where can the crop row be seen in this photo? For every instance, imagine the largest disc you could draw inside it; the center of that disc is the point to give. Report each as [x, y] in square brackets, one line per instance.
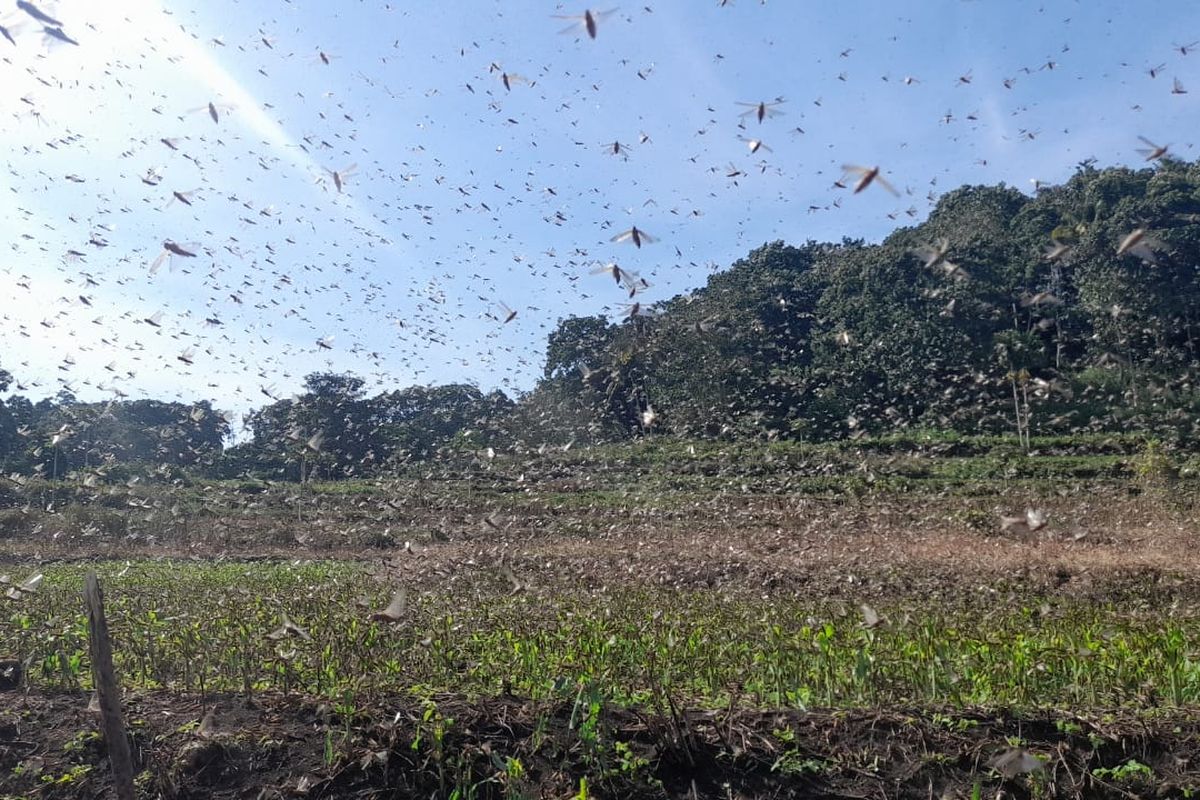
[205, 627]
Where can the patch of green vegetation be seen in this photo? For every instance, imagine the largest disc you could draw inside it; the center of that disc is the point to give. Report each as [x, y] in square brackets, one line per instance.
[1131, 770]
[81, 741]
[72, 777]
[196, 626]
[953, 723]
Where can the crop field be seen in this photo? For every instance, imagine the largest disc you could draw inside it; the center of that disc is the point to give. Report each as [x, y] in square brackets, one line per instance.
[646, 621]
[682, 400]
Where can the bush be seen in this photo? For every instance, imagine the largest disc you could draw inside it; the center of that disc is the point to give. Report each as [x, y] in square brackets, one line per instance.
[1154, 467]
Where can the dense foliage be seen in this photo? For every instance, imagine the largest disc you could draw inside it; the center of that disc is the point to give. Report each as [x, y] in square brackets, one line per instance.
[1030, 315]
[1000, 313]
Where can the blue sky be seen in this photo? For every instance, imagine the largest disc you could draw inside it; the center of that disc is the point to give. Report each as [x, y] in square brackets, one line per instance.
[467, 194]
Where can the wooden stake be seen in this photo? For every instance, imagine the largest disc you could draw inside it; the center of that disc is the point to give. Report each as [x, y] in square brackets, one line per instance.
[107, 690]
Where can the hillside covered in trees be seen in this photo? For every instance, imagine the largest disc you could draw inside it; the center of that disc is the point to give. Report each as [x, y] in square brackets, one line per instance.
[1074, 310]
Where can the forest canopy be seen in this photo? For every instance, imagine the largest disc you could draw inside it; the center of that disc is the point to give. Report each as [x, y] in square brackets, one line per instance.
[1070, 311]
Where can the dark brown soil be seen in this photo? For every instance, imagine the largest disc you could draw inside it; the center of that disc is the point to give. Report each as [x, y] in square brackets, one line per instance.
[280, 747]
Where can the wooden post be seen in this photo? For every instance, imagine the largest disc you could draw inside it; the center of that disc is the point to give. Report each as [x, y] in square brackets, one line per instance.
[107, 690]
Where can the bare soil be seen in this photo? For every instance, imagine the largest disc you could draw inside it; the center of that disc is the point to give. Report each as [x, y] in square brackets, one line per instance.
[1098, 546]
[297, 747]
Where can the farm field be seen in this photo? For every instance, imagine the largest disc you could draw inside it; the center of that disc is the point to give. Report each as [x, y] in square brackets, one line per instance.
[723, 400]
[648, 621]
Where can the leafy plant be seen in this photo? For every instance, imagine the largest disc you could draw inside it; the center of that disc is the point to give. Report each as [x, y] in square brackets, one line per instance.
[1130, 770]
